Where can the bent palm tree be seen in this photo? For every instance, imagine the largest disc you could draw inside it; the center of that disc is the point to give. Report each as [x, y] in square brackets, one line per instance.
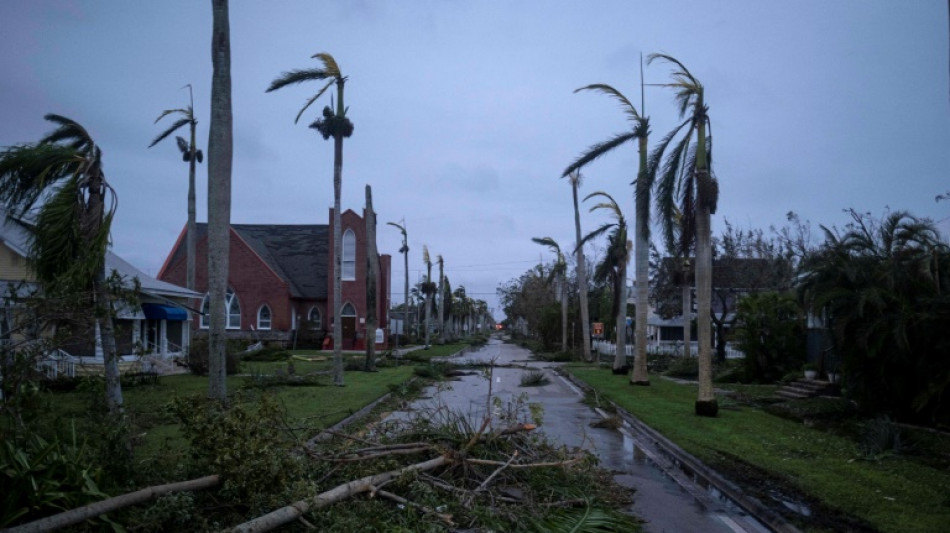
[614, 267]
[334, 124]
[428, 289]
[559, 275]
[404, 250]
[687, 170]
[643, 185]
[575, 179]
[191, 155]
[62, 176]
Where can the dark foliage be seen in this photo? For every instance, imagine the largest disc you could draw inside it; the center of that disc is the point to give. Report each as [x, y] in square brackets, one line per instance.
[198, 358]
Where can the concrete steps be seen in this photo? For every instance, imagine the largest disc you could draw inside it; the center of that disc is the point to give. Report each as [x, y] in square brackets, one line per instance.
[804, 388]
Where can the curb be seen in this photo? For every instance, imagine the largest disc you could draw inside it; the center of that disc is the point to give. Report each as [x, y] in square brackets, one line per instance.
[699, 471]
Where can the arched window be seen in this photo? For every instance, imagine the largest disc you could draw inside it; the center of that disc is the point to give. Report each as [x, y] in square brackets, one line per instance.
[231, 304]
[263, 317]
[349, 255]
[315, 318]
[348, 310]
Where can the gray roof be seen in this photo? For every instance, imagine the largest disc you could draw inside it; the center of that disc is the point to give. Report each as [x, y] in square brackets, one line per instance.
[296, 253]
[15, 234]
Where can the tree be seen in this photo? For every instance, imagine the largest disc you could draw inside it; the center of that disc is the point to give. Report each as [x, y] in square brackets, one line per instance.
[769, 332]
[640, 132]
[191, 155]
[62, 176]
[882, 287]
[220, 152]
[614, 266]
[441, 298]
[372, 272]
[558, 275]
[428, 289]
[404, 250]
[333, 123]
[575, 180]
[687, 169]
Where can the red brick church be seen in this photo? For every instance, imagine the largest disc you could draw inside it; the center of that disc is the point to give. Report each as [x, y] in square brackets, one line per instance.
[280, 278]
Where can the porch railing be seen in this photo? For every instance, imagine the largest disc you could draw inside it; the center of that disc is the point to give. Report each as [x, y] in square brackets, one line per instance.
[56, 363]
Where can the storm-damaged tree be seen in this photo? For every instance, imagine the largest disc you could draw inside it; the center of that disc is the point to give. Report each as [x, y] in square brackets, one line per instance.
[582, 288]
[558, 275]
[687, 169]
[441, 302]
[404, 250]
[220, 152]
[428, 289]
[639, 132]
[614, 267]
[372, 271]
[62, 177]
[333, 123]
[191, 155]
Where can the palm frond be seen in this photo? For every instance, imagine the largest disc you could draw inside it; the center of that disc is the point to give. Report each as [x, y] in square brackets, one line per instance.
[27, 172]
[312, 99]
[329, 64]
[70, 131]
[628, 108]
[167, 112]
[171, 129]
[293, 77]
[182, 144]
[599, 150]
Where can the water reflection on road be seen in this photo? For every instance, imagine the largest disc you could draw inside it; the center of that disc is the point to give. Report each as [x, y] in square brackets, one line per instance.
[666, 504]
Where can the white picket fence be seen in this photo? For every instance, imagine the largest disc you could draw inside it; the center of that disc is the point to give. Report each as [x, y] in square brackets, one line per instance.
[57, 363]
[609, 349]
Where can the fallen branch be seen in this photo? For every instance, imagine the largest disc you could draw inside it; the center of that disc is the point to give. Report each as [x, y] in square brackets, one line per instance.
[288, 514]
[488, 480]
[447, 518]
[567, 462]
[85, 512]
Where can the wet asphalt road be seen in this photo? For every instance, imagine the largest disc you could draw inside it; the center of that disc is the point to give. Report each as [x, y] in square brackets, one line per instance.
[666, 504]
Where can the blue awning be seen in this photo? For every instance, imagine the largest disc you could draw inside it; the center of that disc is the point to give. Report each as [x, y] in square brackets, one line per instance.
[164, 312]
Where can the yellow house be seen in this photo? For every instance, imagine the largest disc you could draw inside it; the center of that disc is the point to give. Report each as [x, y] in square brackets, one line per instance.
[151, 332]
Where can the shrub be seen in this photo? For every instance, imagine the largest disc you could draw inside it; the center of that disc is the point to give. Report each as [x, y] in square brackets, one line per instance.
[267, 354]
[198, 358]
[684, 367]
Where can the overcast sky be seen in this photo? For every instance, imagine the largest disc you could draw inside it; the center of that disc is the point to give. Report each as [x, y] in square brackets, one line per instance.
[465, 115]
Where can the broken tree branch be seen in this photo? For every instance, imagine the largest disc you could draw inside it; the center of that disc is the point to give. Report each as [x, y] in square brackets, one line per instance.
[85, 512]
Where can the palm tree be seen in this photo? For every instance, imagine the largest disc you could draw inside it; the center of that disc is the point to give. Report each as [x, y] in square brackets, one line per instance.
[614, 267]
[681, 245]
[575, 179]
[558, 274]
[332, 124]
[687, 170]
[62, 176]
[220, 152]
[428, 289]
[441, 298]
[404, 250]
[191, 155]
[640, 132]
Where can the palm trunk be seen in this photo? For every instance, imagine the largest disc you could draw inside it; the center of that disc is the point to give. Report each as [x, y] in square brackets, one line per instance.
[563, 283]
[220, 149]
[405, 314]
[621, 357]
[114, 401]
[642, 264]
[706, 404]
[192, 224]
[581, 278]
[441, 304]
[338, 245]
[687, 297]
[372, 271]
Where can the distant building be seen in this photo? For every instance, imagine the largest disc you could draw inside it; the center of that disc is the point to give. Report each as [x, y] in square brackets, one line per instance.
[280, 280]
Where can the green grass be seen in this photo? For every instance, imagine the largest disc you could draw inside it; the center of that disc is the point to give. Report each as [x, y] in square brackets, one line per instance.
[435, 350]
[894, 493]
[313, 407]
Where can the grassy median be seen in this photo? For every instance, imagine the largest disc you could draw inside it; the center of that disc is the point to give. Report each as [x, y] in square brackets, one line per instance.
[773, 457]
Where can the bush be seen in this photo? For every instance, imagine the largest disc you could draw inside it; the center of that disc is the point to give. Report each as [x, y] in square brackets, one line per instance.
[534, 378]
[267, 354]
[309, 337]
[684, 367]
[198, 358]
